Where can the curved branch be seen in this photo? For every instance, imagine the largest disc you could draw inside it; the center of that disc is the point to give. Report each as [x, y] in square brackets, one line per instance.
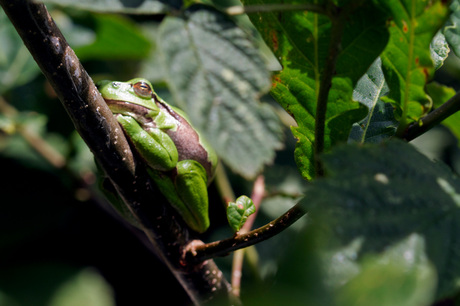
[416, 129]
[223, 247]
[98, 127]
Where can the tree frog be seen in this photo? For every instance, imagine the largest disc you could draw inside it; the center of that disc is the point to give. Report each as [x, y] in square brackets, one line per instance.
[179, 159]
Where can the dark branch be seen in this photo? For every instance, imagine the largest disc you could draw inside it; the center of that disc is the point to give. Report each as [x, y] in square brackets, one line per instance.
[101, 132]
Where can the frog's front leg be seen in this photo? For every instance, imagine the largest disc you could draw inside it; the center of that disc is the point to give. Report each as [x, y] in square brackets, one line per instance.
[186, 190]
[156, 147]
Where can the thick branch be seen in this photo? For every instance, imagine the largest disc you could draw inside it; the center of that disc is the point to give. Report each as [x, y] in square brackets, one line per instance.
[432, 119]
[101, 132]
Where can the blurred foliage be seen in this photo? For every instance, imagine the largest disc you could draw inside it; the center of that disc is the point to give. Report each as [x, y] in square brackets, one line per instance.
[382, 227]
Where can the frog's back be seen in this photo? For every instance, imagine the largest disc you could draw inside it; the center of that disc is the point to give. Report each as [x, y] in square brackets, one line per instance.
[189, 144]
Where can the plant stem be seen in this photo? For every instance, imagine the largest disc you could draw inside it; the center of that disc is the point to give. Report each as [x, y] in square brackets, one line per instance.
[223, 184]
[325, 86]
[432, 119]
[238, 256]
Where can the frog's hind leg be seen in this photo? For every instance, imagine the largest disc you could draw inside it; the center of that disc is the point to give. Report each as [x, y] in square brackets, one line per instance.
[186, 190]
[191, 184]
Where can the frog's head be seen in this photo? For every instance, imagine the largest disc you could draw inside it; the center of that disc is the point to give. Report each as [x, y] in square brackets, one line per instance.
[137, 91]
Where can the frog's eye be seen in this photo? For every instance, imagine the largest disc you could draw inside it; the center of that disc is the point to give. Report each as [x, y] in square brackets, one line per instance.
[142, 89]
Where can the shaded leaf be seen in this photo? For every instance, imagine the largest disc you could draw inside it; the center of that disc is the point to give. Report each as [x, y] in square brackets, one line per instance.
[59, 285]
[17, 66]
[299, 275]
[402, 275]
[87, 287]
[16, 146]
[383, 193]
[380, 123]
[239, 211]
[121, 6]
[301, 40]
[217, 76]
[452, 28]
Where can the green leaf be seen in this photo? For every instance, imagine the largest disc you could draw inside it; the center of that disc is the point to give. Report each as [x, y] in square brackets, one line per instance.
[217, 76]
[239, 211]
[380, 123]
[381, 194]
[17, 66]
[117, 6]
[440, 94]
[402, 275]
[406, 61]
[301, 40]
[452, 28]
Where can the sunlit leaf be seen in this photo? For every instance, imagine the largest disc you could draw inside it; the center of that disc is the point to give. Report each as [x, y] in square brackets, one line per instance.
[239, 211]
[406, 61]
[300, 40]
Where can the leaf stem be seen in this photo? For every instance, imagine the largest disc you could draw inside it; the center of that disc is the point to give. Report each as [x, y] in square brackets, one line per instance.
[432, 119]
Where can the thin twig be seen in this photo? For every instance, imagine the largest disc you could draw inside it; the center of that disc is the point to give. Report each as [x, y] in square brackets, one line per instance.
[34, 140]
[223, 247]
[432, 119]
[266, 8]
